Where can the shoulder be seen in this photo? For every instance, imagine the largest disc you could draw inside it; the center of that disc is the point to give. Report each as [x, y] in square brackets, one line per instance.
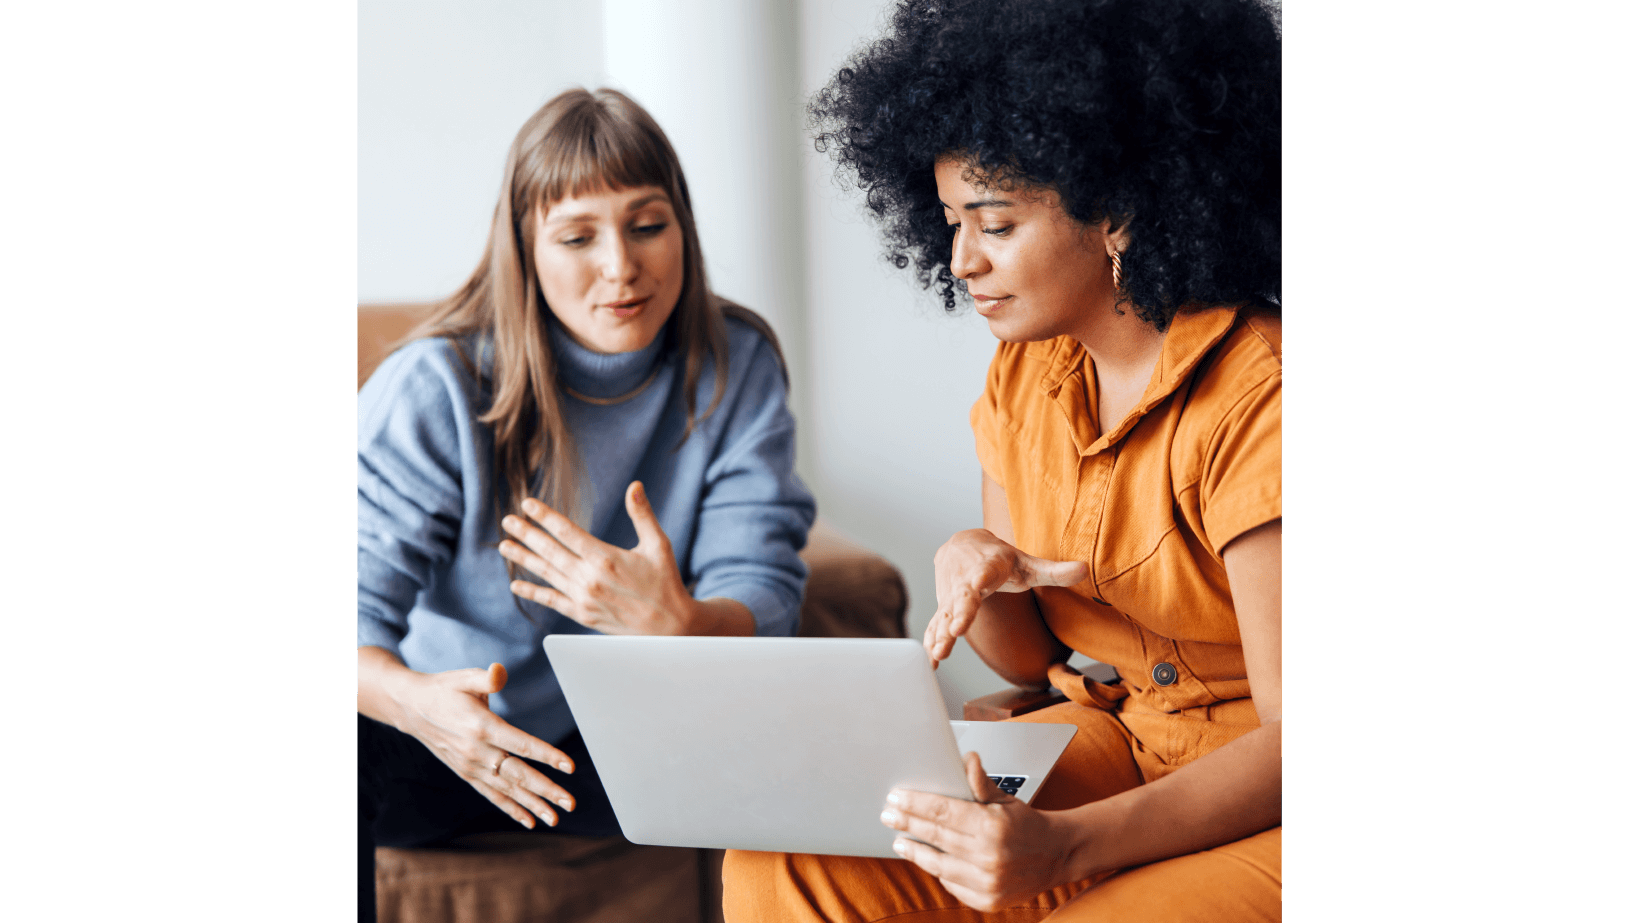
[1246, 363]
[744, 336]
[754, 354]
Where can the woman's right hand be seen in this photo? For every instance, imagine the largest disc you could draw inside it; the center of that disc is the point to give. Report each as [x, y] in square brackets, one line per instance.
[972, 565]
[449, 713]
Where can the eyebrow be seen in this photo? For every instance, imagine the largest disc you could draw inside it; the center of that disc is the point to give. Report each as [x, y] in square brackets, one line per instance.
[634, 206]
[984, 203]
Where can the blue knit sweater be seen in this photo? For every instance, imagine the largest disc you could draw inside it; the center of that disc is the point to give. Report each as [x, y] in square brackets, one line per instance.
[433, 587]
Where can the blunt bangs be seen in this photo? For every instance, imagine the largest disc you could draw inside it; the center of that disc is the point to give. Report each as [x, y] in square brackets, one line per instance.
[596, 144]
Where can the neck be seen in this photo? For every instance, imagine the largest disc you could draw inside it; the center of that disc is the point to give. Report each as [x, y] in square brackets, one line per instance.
[1122, 346]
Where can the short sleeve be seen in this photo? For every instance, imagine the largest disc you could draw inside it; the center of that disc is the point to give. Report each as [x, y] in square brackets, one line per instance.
[1241, 480]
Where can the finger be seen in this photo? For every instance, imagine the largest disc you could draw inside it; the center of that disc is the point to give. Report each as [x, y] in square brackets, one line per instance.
[508, 806]
[477, 681]
[498, 733]
[985, 791]
[532, 562]
[945, 839]
[1043, 572]
[573, 537]
[559, 559]
[932, 634]
[948, 822]
[545, 595]
[535, 792]
[650, 533]
[922, 856]
[940, 641]
[503, 772]
[963, 610]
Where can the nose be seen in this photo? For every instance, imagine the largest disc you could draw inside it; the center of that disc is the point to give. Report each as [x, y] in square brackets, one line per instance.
[966, 259]
[619, 264]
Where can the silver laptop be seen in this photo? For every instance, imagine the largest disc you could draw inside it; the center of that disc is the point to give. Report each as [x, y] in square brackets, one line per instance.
[782, 744]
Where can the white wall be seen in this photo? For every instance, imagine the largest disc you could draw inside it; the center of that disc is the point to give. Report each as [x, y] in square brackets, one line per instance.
[883, 378]
[893, 375]
[443, 87]
[720, 77]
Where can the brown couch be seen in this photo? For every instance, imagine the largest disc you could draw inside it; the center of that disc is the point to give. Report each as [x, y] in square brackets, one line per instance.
[851, 593]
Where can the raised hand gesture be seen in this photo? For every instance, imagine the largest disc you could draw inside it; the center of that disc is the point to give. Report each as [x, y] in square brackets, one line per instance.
[972, 565]
[613, 590]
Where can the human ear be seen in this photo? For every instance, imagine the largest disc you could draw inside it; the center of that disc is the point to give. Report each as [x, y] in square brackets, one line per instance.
[1115, 242]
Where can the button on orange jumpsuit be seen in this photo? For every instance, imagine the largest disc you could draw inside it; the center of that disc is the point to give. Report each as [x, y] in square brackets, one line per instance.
[1150, 505]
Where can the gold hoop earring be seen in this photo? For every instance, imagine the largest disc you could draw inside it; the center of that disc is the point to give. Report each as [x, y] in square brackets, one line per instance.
[1116, 269]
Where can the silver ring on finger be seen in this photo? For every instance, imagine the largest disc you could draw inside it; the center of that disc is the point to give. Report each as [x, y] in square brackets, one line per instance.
[495, 770]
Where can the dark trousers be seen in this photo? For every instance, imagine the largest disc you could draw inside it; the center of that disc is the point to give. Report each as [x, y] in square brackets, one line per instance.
[409, 798]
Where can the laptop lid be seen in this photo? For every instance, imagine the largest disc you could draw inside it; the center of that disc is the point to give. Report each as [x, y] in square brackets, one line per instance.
[787, 744]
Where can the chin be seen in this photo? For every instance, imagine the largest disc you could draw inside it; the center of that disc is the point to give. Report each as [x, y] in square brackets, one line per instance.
[626, 340]
[1014, 333]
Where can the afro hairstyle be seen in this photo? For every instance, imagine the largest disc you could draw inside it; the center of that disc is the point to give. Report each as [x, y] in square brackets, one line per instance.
[1162, 116]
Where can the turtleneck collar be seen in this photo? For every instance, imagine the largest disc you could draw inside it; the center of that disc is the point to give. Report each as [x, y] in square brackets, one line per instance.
[598, 374]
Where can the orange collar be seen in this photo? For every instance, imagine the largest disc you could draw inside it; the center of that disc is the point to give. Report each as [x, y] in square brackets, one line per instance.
[1190, 336]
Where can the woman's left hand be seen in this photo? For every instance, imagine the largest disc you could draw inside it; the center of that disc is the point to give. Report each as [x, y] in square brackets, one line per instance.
[610, 589]
[989, 854]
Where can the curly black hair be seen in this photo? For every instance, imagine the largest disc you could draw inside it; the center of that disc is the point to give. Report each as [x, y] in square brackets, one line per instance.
[1163, 116]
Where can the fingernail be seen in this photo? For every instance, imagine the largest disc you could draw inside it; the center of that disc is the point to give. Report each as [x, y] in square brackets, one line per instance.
[901, 846]
[565, 804]
[891, 818]
[896, 799]
[509, 522]
[565, 767]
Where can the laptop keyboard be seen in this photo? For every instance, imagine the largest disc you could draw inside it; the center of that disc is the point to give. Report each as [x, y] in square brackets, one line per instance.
[1009, 784]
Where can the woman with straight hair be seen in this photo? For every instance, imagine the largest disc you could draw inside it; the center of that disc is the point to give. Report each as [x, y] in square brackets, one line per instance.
[583, 438]
[1103, 179]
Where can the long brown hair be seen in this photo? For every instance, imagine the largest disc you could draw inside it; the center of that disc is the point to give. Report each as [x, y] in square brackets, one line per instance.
[578, 142]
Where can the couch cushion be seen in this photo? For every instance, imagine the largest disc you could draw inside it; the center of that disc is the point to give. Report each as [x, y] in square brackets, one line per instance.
[586, 879]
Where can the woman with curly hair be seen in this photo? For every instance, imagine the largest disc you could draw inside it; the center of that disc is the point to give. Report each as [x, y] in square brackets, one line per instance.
[1102, 178]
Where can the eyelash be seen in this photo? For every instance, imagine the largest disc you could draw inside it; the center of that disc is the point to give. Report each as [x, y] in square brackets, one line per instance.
[994, 232]
[643, 230]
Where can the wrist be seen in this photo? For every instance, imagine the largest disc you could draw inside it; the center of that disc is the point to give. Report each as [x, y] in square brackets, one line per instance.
[385, 686]
[1085, 835]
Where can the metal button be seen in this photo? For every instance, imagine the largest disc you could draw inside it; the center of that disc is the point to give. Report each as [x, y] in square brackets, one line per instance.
[1164, 674]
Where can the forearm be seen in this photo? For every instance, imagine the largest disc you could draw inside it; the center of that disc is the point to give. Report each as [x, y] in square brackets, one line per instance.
[380, 674]
[1227, 795]
[1010, 636]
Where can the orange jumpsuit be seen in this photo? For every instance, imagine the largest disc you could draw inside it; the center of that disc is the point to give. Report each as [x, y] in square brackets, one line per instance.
[1150, 505]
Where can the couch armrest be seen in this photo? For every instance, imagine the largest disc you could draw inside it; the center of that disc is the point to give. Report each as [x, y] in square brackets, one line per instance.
[852, 592]
[1000, 706]
[380, 327]
[1009, 703]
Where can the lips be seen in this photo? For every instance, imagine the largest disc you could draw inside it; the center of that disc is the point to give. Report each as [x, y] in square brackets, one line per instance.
[985, 304]
[626, 308]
